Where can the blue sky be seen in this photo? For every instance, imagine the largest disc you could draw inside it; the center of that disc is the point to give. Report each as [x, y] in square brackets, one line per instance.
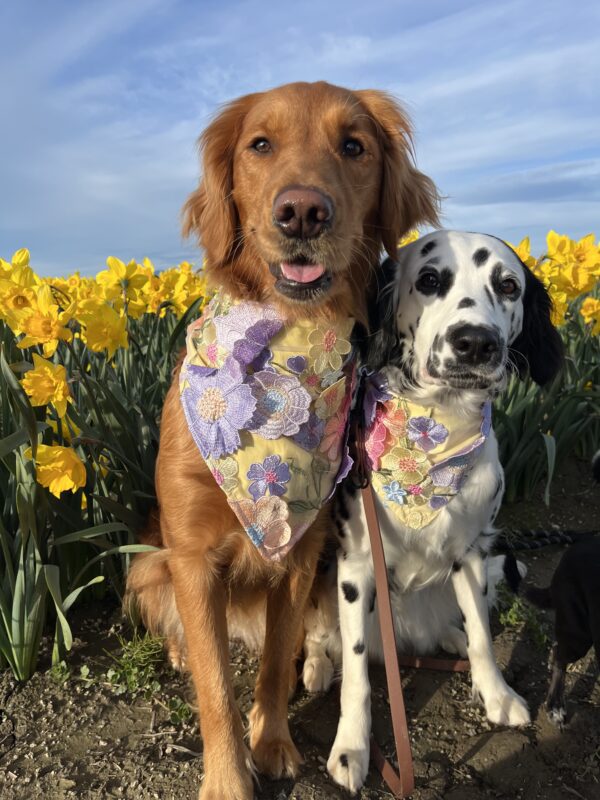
[102, 103]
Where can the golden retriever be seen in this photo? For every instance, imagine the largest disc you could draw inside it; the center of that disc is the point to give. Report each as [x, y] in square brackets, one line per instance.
[302, 188]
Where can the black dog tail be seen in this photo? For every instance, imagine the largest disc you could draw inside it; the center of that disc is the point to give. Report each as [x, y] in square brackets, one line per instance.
[542, 598]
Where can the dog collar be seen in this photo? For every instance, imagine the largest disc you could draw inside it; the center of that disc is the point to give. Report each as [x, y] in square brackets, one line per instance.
[420, 455]
[267, 405]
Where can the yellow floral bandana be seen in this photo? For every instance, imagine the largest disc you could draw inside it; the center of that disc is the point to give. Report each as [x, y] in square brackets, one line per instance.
[420, 455]
[267, 405]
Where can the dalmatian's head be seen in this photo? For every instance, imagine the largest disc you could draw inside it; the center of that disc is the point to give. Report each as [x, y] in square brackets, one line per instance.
[457, 309]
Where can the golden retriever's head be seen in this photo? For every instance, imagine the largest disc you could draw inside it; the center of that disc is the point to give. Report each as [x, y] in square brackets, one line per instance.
[302, 186]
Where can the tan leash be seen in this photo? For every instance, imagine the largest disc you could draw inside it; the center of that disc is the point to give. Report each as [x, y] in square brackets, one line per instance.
[403, 783]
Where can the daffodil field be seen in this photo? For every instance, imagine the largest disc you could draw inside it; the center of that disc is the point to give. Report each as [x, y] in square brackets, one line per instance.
[85, 364]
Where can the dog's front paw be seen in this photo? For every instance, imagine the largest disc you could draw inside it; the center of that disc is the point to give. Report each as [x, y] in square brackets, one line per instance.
[277, 758]
[348, 765]
[317, 673]
[503, 706]
[227, 784]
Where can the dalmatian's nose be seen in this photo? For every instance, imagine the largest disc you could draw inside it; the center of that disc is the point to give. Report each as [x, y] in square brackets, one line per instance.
[474, 344]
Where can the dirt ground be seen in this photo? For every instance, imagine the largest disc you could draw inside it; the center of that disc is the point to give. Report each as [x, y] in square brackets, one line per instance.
[77, 738]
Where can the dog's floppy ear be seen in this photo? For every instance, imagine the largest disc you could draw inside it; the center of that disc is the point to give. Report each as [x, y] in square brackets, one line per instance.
[407, 198]
[538, 349]
[210, 211]
[382, 346]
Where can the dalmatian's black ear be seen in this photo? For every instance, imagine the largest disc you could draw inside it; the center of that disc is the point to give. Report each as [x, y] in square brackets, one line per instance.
[538, 349]
[383, 346]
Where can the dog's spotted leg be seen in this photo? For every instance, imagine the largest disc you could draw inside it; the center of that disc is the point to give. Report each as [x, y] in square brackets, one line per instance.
[201, 602]
[349, 758]
[502, 705]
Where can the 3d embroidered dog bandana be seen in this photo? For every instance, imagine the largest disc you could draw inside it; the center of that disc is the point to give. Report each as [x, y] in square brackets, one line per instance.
[267, 405]
[420, 456]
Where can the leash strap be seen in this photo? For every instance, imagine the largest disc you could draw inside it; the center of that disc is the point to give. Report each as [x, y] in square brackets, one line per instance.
[400, 784]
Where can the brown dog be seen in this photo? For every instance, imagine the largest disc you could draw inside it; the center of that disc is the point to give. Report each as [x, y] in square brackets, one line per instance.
[302, 186]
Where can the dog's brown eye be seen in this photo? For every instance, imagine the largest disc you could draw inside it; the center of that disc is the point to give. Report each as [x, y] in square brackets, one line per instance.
[261, 145]
[428, 283]
[352, 148]
[508, 286]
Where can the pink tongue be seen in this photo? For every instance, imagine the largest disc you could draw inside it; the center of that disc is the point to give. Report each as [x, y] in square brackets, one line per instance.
[302, 274]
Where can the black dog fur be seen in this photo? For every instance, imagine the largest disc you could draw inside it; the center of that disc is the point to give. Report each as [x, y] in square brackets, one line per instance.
[574, 594]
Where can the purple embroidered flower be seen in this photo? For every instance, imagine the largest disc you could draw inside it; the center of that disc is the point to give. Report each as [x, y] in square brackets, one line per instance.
[246, 330]
[282, 404]
[217, 407]
[200, 371]
[296, 364]
[375, 391]
[311, 432]
[271, 475]
[426, 433]
[438, 501]
[262, 360]
[395, 493]
[450, 473]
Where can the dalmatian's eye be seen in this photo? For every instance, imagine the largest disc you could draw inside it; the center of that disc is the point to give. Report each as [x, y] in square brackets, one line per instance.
[428, 283]
[508, 286]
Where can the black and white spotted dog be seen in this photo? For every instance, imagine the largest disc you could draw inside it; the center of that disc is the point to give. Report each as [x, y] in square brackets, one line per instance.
[459, 311]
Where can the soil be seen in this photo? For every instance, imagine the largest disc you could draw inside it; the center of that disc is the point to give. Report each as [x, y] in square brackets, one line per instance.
[79, 739]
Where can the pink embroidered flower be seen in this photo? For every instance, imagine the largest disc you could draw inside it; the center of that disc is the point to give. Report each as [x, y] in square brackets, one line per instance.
[334, 435]
[395, 419]
[376, 439]
[265, 521]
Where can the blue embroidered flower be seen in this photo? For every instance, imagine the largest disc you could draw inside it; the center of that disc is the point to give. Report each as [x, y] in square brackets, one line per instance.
[271, 475]
[282, 404]
[217, 407]
[395, 493]
[311, 432]
[426, 433]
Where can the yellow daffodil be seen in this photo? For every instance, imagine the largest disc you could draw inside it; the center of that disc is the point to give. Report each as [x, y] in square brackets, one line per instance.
[590, 311]
[58, 468]
[523, 250]
[408, 238]
[47, 383]
[122, 284]
[63, 429]
[105, 329]
[44, 323]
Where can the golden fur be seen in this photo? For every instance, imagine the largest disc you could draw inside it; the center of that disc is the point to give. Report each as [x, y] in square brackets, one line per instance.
[207, 566]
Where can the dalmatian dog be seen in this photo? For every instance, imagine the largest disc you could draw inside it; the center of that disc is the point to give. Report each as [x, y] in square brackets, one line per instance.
[454, 315]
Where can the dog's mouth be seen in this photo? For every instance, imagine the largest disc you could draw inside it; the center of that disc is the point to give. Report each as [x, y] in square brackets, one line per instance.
[485, 379]
[301, 279]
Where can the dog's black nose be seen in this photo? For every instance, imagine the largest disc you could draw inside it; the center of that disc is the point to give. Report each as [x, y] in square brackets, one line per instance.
[302, 213]
[474, 344]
